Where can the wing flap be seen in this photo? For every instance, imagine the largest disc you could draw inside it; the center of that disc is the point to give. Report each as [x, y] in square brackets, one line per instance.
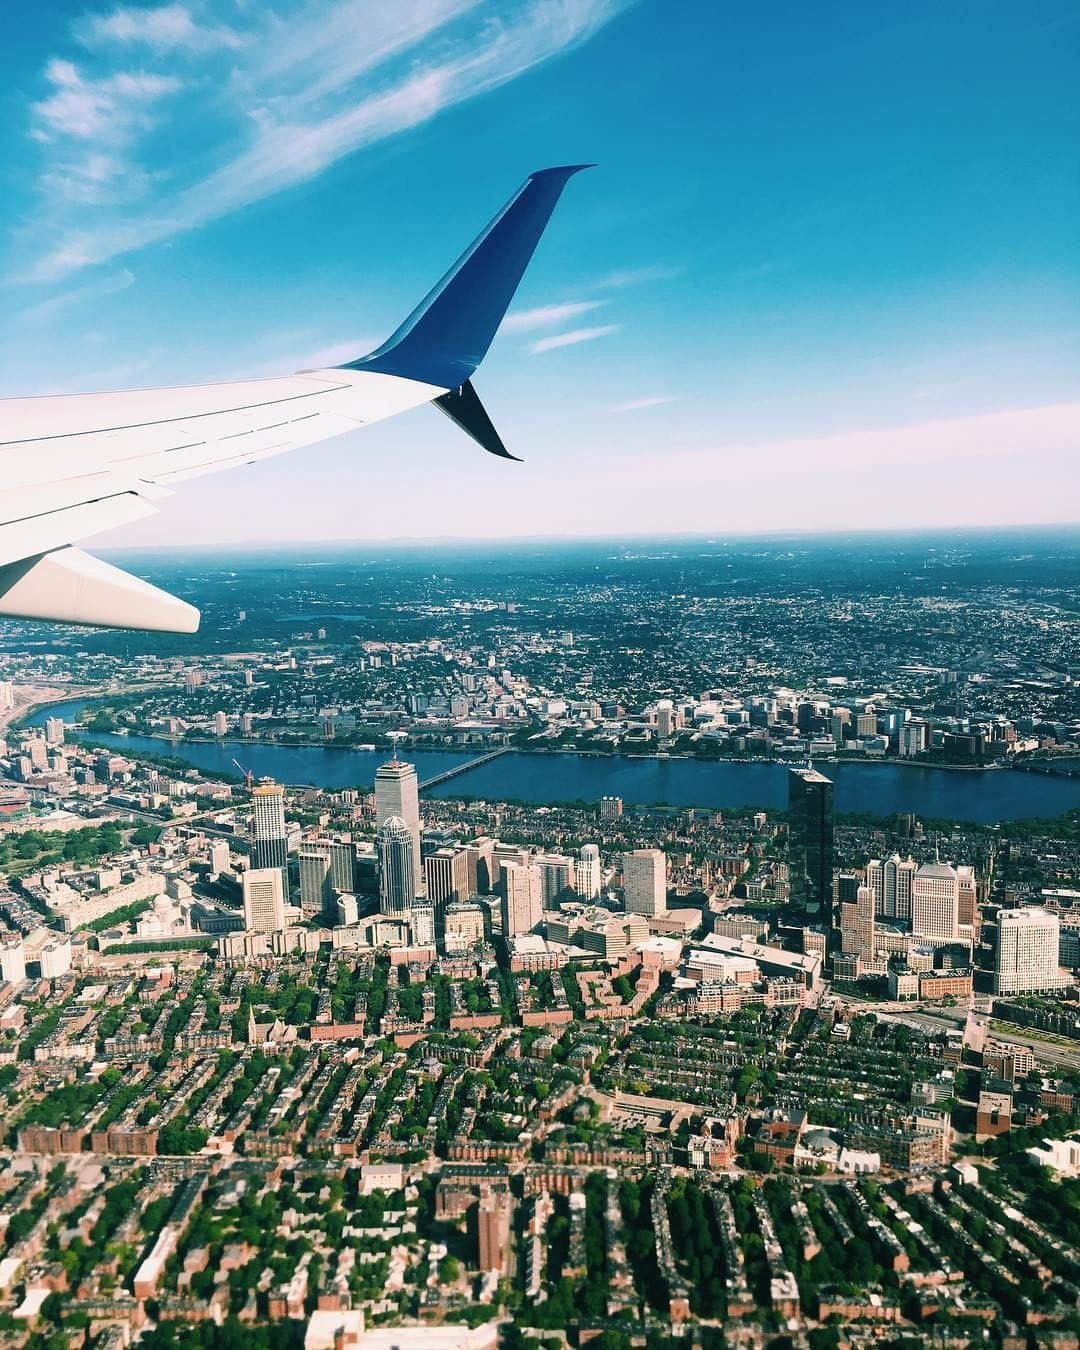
[70, 586]
[49, 526]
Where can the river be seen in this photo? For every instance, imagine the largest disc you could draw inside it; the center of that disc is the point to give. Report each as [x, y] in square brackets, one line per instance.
[881, 787]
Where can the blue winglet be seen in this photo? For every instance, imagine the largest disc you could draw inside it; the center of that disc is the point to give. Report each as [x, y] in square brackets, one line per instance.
[446, 337]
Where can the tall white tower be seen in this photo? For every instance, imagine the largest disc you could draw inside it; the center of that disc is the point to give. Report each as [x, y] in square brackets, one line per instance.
[264, 900]
[645, 881]
[587, 872]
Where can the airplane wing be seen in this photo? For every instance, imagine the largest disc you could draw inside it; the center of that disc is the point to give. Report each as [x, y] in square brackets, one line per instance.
[75, 465]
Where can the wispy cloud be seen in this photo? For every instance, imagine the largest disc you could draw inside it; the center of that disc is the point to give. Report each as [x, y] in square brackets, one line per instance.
[637, 404]
[547, 316]
[572, 338]
[278, 102]
[98, 289]
[102, 110]
[1051, 428]
[164, 28]
[636, 276]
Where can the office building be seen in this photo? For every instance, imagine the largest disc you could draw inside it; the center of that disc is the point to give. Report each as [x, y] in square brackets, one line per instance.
[522, 890]
[397, 872]
[316, 888]
[857, 924]
[342, 864]
[397, 795]
[810, 812]
[264, 900]
[587, 876]
[645, 882]
[270, 844]
[935, 902]
[446, 876]
[967, 898]
[220, 860]
[891, 883]
[1026, 952]
[557, 872]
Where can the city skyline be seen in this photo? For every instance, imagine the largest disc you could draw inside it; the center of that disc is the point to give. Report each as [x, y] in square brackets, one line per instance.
[789, 294]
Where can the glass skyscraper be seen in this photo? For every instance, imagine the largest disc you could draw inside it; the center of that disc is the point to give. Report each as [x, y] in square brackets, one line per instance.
[810, 817]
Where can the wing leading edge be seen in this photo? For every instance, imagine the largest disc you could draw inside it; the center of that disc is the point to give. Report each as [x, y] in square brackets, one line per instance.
[75, 465]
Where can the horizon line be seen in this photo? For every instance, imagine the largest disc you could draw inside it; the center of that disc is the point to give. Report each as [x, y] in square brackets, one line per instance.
[712, 536]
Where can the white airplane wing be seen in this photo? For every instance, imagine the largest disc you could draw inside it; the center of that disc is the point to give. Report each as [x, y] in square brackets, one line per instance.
[75, 465]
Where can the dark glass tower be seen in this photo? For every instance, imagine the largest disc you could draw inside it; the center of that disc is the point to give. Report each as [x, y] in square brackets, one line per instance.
[810, 813]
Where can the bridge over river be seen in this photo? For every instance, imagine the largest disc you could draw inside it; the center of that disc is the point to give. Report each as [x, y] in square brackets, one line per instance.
[455, 769]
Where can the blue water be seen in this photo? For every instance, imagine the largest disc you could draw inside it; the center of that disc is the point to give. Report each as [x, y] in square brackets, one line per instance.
[878, 788]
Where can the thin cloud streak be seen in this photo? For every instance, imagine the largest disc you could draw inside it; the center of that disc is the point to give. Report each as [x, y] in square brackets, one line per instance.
[572, 338]
[547, 316]
[1054, 428]
[637, 276]
[635, 405]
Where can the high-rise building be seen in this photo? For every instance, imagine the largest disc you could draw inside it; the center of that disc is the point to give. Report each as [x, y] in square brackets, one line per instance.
[891, 883]
[446, 876]
[316, 889]
[1026, 954]
[810, 812]
[557, 872]
[522, 890]
[587, 877]
[54, 730]
[220, 860]
[7, 695]
[221, 724]
[857, 924]
[12, 960]
[270, 845]
[935, 902]
[645, 881]
[479, 857]
[611, 808]
[342, 864]
[55, 959]
[967, 898]
[264, 900]
[422, 923]
[397, 872]
[397, 794]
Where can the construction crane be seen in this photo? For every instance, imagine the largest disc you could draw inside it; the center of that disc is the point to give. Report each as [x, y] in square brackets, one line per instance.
[249, 777]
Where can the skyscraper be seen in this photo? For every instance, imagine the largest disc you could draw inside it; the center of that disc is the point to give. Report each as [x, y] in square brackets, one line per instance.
[935, 902]
[397, 794]
[1026, 954]
[587, 872]
[264, 900]
[522, 889]
[446, 875]
[316, 890]
[270, 847]
[891, 883]
[645, 881]
[397, 872]
[810, 812]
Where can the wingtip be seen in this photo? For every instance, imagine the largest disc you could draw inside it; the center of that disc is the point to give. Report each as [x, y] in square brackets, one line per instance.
[561, 170]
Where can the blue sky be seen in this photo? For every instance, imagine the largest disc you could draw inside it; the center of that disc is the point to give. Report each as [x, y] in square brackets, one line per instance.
[826, 273]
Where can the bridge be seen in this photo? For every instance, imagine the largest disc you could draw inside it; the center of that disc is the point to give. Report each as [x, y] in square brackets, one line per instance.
[466, 767]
